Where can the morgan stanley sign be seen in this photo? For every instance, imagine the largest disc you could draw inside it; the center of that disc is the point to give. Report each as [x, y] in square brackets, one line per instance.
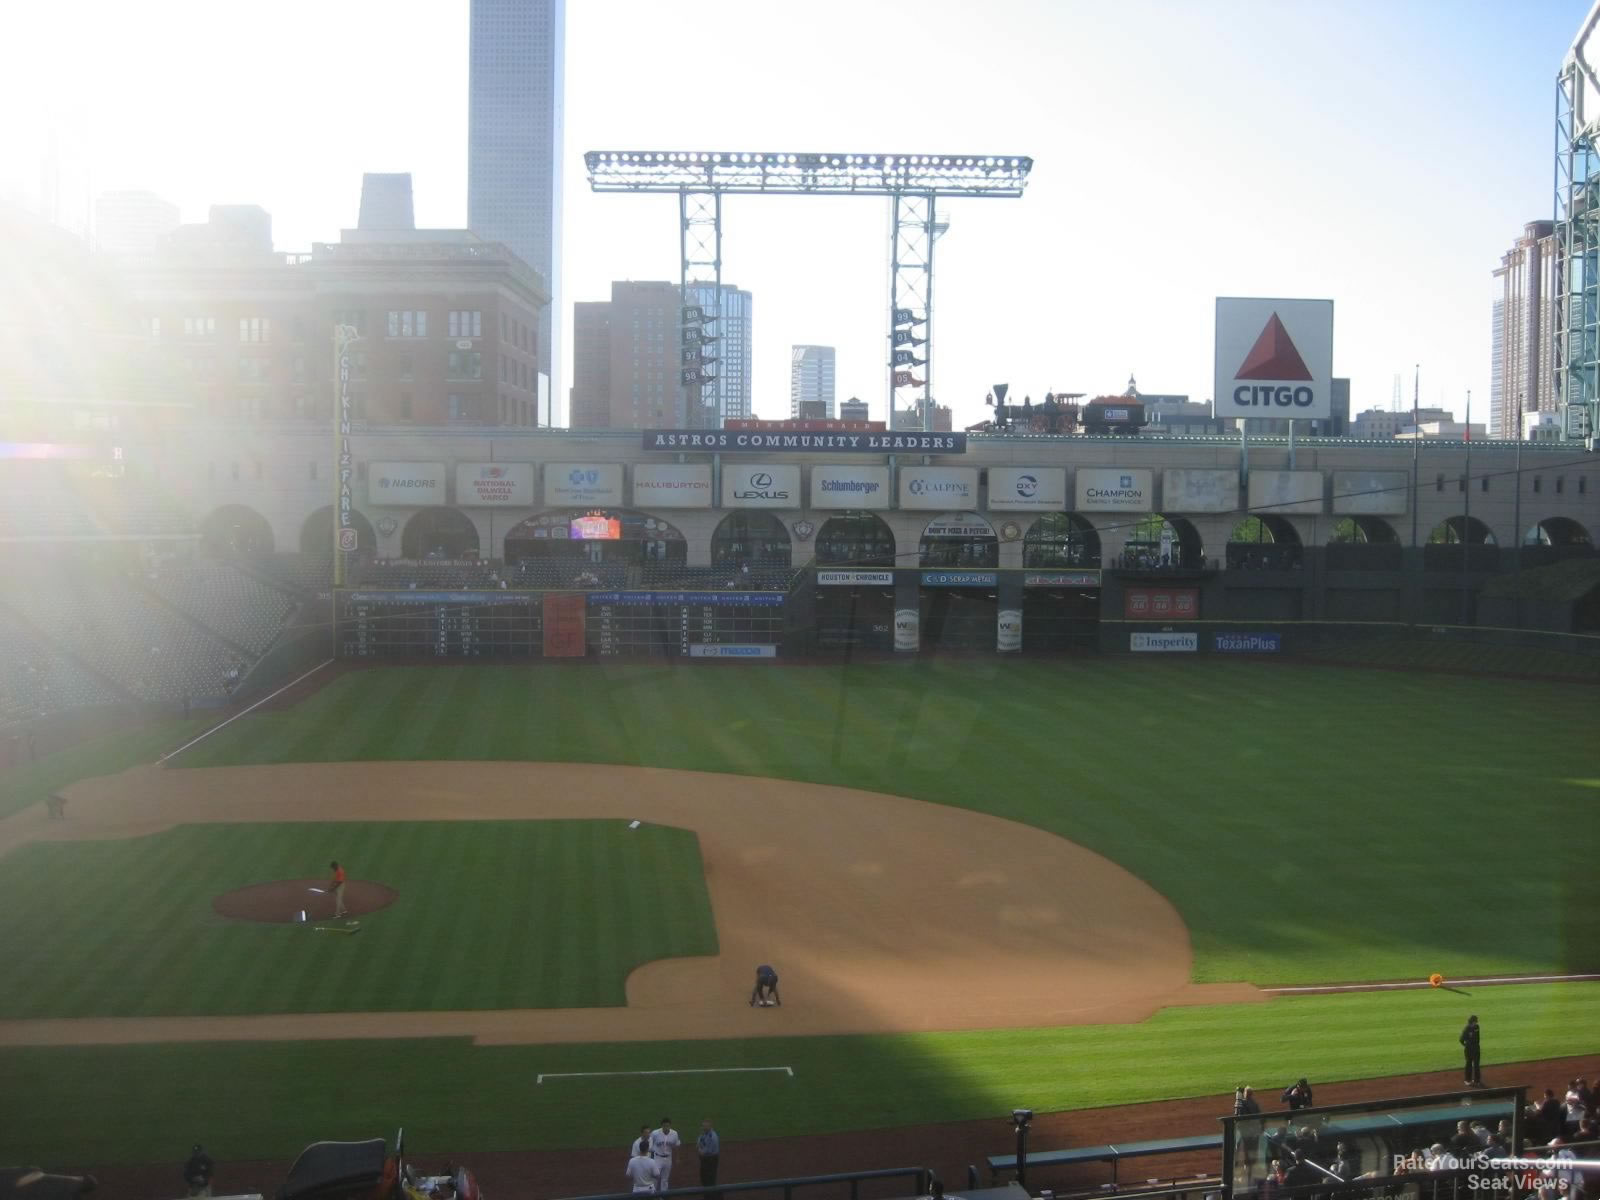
[1274, 358]
[745, 440]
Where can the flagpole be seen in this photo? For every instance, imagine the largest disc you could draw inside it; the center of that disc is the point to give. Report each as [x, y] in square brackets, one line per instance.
[1466, 519]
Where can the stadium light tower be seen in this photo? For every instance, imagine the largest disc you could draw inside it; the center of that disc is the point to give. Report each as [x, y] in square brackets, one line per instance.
[912, 182]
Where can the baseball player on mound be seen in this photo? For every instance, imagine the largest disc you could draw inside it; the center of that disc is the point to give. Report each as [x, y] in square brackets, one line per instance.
[766, 990]
[336, 888]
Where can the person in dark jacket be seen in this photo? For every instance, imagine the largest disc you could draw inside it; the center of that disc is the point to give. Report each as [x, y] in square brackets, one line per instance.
[1298, 1095]
[1469, 1048]
[198, 1170]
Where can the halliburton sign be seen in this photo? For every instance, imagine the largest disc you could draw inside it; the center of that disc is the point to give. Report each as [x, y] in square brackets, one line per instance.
[1274, 358]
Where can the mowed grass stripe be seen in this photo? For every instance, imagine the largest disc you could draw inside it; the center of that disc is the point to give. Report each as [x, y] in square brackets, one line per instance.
[143, 939]
[1310, 823]
[150, 1101]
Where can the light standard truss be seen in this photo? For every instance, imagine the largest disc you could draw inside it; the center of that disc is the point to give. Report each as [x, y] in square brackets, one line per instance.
[912, 182]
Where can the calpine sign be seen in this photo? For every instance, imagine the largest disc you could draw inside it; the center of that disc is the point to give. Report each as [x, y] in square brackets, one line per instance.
[1274, 358]
[747, 440]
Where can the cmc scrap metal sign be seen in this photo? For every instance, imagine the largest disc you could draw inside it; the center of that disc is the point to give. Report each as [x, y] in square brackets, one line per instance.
[743, 440]
[1274, 358]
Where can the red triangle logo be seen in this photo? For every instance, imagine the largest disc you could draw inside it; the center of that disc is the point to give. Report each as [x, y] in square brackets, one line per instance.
[1273, 356]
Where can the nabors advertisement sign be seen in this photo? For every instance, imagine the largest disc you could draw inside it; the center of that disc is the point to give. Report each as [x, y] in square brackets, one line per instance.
[1274, 358]
[405, 483]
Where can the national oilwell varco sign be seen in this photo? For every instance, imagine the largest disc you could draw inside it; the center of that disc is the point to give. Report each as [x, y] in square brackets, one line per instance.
[1274, 358]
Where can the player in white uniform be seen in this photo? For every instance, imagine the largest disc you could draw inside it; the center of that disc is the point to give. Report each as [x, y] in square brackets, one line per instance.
[662, 1144]
[644, 1172]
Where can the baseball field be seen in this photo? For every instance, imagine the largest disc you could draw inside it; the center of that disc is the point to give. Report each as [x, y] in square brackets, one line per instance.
[984, 884]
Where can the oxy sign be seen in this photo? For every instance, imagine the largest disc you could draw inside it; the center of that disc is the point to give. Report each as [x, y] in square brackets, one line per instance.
[583, 485]
[760, 485]
[837, 486]
[409, 484]
[938, 487]
[1274, 358]
[1027, 489]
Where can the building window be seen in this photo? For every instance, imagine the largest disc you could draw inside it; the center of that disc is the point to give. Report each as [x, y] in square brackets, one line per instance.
[466, 324]
[502, 358]
[408, 322]
[405, 366]
[311, 470]
[199, 327]
[1583, 484]
[1483, 484]
[458, 407]
[405, 406]
[1461, 484]
[505, 328]
[252, 370]
[1561, 482]
[1438, 483]
[1538, 485]
[155, 328]
[466, 364]
[254, 329]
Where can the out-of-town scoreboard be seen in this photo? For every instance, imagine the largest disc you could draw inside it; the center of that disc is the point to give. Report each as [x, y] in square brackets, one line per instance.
[500, 624]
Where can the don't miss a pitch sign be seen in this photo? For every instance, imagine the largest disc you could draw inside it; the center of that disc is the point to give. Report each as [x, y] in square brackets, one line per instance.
[1274, 358]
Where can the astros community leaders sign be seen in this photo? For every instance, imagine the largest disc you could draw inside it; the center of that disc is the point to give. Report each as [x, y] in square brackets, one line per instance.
[738, 440]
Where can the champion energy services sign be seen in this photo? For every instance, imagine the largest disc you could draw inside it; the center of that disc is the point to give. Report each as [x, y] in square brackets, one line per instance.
[1274, 358]
[1114, 489]
[849, 487]
[406, 483]
[672, 485]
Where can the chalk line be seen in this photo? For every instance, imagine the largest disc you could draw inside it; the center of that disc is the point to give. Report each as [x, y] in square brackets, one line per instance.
[789, 1071]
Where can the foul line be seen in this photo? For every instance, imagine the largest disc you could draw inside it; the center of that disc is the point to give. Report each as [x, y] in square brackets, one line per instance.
[245, 713]
[789, 1071]
[1395, 987]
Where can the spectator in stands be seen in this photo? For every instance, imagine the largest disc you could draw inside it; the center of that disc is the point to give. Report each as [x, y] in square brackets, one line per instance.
[1275, 1180]
[1464, 1142]
[1575, 1107]
[1346, 1165]
[1246, 1105]
[198, 1170]
[1297, 1095]
[1545, 1115]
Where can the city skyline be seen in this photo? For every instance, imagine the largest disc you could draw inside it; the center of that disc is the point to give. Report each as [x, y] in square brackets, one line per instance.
[1212, 178]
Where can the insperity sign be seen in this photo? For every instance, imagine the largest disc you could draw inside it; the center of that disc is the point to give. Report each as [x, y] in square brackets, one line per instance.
[1274, 358]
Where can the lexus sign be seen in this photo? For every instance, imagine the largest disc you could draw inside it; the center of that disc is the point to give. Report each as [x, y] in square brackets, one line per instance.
[1274, 358]
[760, 485]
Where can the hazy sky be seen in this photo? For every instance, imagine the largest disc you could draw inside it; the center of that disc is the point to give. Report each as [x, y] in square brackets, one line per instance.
[1381, 154]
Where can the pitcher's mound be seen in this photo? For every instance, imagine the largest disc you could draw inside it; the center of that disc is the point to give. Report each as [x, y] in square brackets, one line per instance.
[284, 900]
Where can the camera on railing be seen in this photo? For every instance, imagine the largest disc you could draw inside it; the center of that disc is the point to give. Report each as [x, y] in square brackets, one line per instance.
[1021, 1117]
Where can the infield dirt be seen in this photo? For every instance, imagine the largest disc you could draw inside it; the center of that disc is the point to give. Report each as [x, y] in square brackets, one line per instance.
[882, 914]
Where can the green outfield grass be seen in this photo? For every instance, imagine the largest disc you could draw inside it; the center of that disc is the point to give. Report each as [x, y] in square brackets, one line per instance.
[1311, 823]
[125, 927]
[103, 755]
[268, 1100]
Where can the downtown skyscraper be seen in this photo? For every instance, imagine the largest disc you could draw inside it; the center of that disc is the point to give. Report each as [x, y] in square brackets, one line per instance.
[514, 119]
